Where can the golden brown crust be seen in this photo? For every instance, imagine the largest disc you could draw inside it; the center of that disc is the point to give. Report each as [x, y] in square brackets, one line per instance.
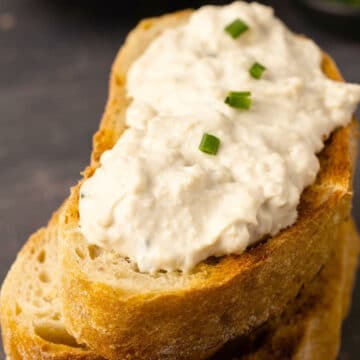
[308, 330]
[20, 340]
[223, 300]
[310, 327]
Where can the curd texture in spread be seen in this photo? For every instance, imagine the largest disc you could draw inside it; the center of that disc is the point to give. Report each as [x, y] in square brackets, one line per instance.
[160, 201]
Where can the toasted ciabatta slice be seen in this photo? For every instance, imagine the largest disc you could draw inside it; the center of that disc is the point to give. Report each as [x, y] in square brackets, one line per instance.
[310, 327]
[124, 314]
[31, 318]
[308, 330]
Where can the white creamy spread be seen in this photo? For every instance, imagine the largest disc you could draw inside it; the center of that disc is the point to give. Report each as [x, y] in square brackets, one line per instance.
[160, 201]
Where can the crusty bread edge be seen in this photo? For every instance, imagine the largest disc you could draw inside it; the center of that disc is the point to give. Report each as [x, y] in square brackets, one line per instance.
[328, 314]
[310, 327]
[320, 326]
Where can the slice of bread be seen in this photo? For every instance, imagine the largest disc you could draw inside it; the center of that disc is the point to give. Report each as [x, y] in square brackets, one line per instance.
[31, 319]
[124, 314]
[308, 330]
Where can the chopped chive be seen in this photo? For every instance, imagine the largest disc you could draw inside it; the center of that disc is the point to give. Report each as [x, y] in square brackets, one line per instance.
[209, 144]
[236, 28]
[257, 70]
[239, 99]
[82, 195]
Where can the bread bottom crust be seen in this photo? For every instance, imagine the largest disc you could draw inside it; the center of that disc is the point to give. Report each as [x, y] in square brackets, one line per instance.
[309, 329]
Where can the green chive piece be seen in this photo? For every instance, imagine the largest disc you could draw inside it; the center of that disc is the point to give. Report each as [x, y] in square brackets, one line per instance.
[257, 70]
[239, 99]
[209, 144]
[236, 28]
[82, 195]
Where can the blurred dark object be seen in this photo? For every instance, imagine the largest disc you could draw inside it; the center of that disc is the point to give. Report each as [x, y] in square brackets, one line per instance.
[129, 11]
[341, 16]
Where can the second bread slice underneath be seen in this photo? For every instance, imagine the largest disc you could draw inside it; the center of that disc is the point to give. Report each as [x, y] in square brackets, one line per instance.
[33, 327]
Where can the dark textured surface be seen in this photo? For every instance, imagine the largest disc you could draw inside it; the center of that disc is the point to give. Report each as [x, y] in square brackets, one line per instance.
[55, 58]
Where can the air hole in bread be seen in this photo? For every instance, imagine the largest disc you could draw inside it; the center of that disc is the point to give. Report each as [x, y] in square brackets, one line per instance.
[94, 251]
[56, 317]
[80, 254]
[41, 257]
[44, 277]
[18, 309]
[54, 333]
[212, 260]
[48, 298]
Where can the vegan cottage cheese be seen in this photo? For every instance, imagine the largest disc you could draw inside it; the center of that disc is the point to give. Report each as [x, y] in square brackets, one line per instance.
[165, 204]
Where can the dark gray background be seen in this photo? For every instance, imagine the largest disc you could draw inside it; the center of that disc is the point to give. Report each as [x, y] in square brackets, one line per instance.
[55, 58]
